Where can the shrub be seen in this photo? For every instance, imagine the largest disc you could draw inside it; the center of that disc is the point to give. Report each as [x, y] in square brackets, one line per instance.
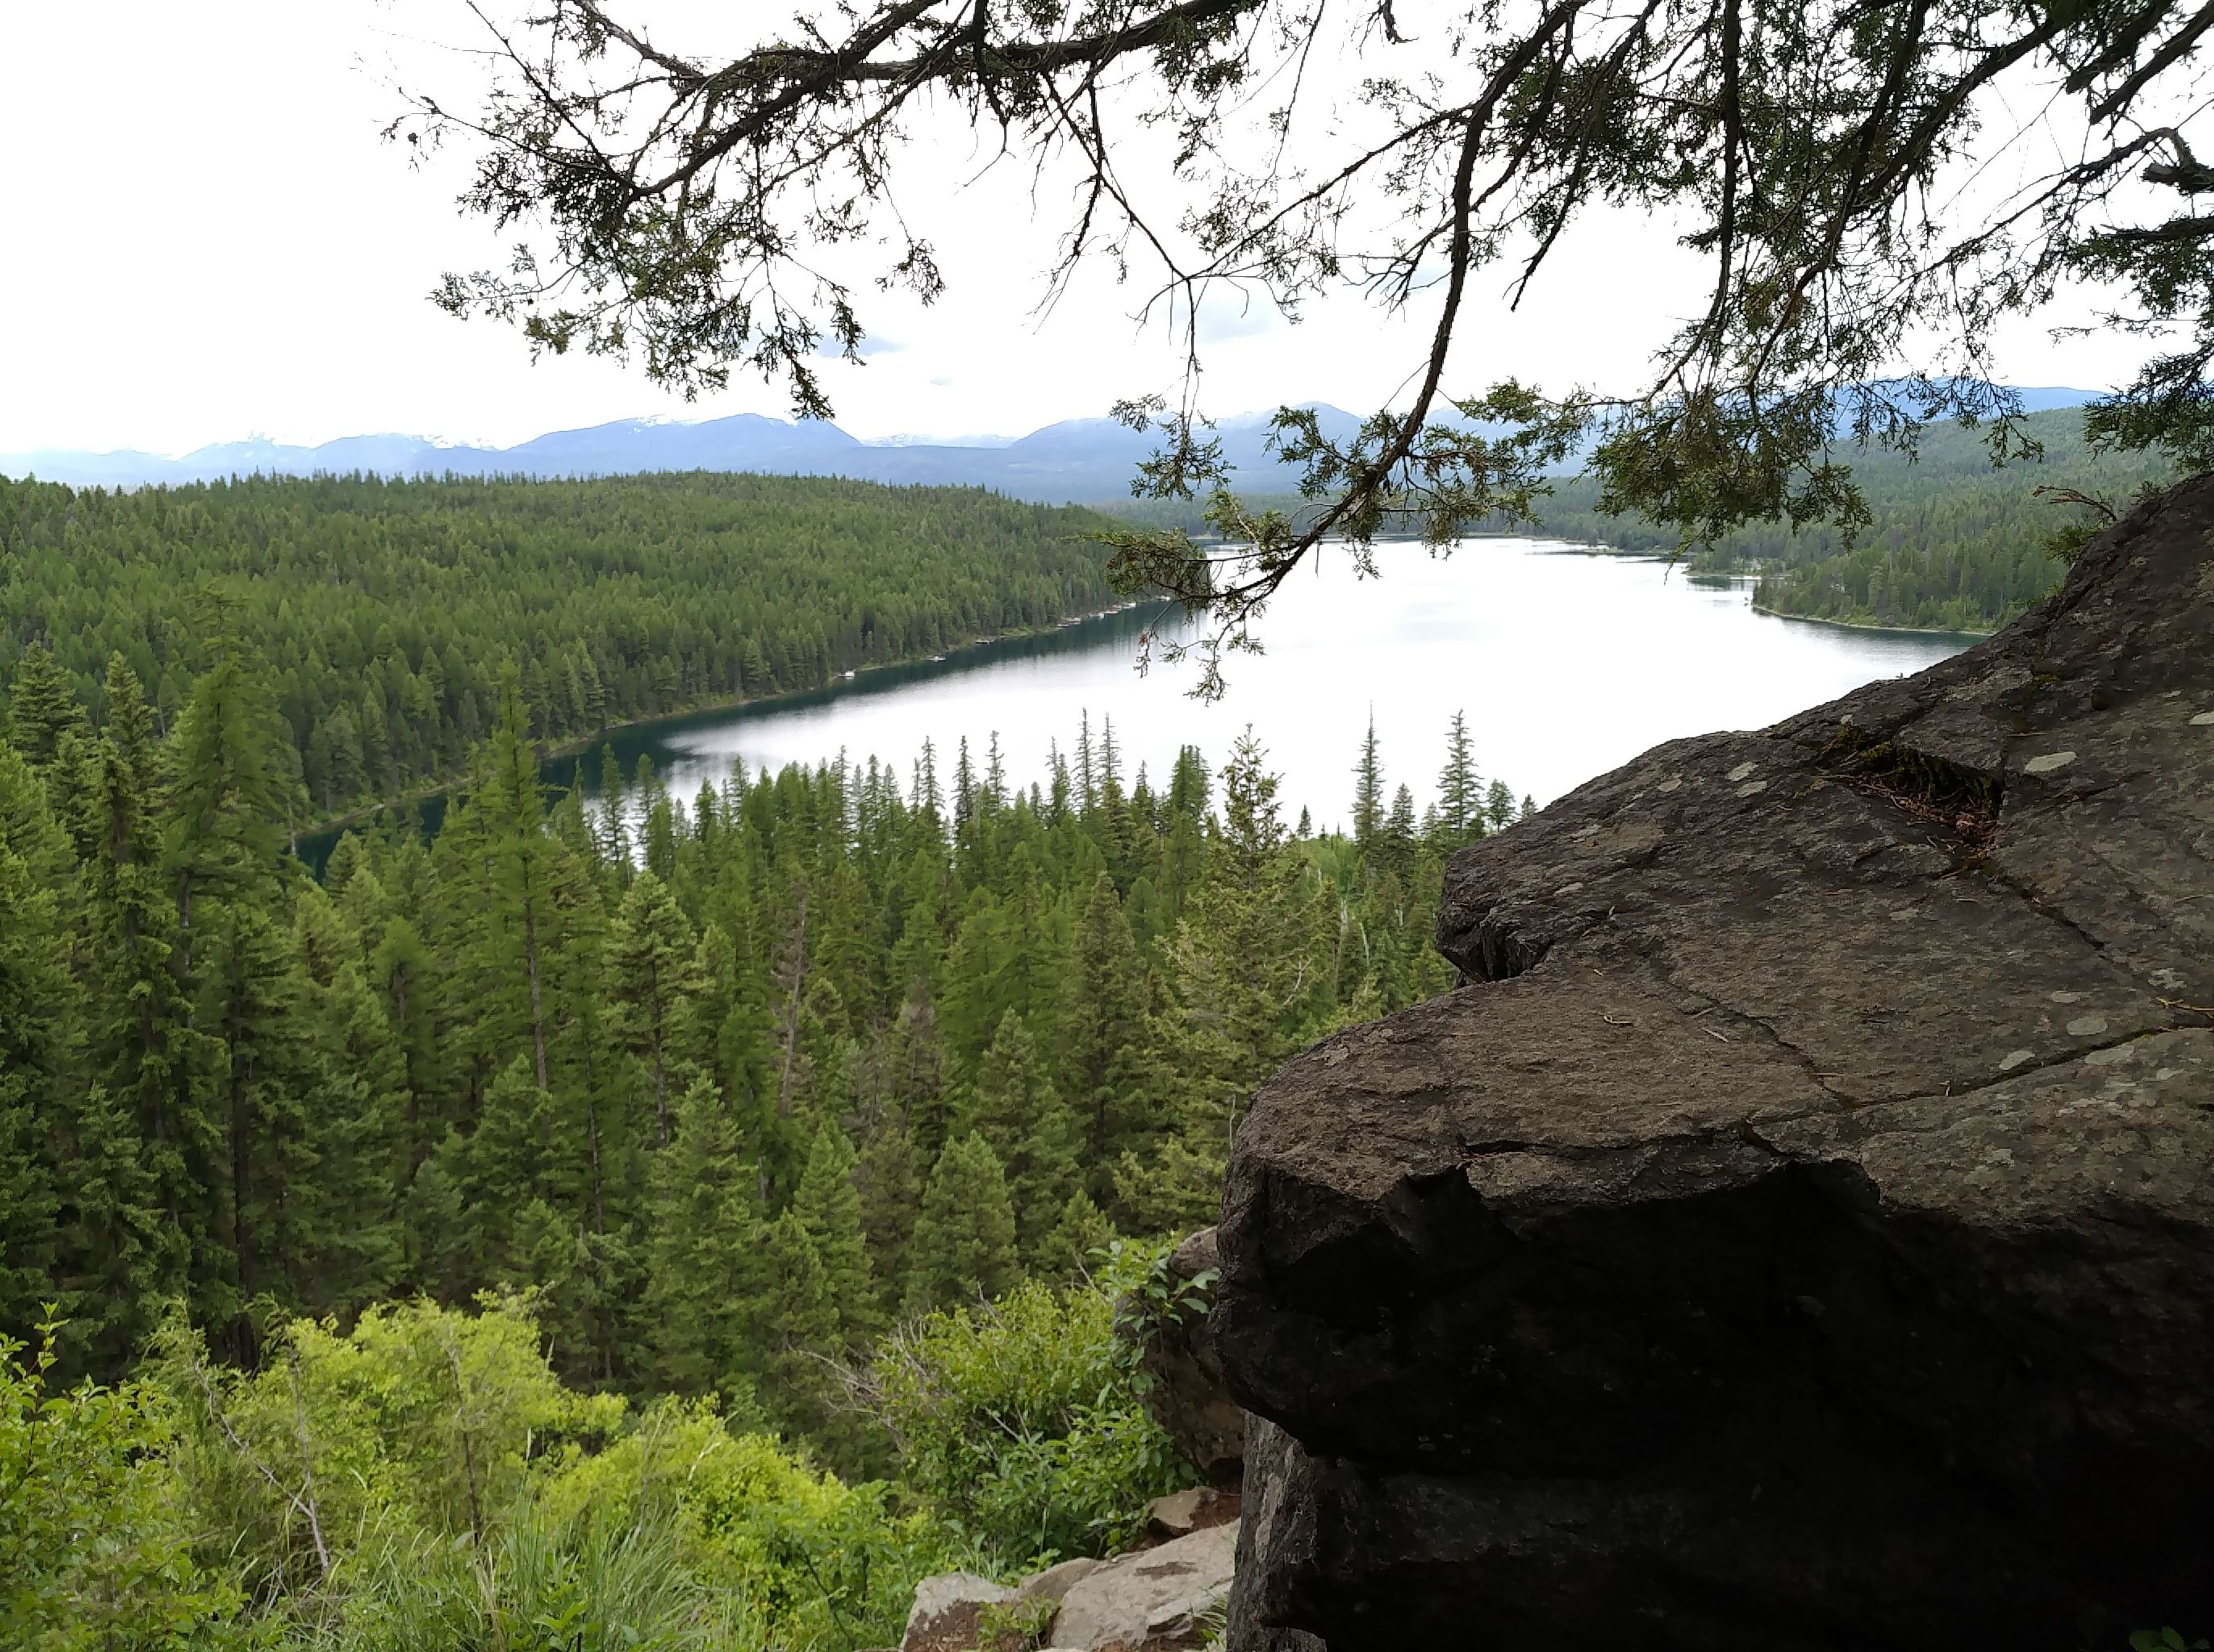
[1022, 1420]
[95, 1549]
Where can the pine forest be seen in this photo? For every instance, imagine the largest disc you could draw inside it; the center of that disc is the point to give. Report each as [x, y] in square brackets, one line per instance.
[719, 1203]
[380, 610]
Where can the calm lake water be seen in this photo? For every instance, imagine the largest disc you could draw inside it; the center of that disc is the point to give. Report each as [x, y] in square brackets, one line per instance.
[1566, 663]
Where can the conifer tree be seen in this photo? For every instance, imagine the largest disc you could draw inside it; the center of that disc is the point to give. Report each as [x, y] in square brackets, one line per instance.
[890, 1202]
[137, 1028]
[1246, 976]
[650, 953]
[1071, 1250]
[234, 1108]
[1016, 1109]
[33, 1003]
[1103, 1029]
[1460, 788]
[795, 1323]
[1367, 791]
[964, 1239]
[401, 970]
[829, 1206]
[701, 1248]
[41, 707]
[1499, 805]
[1395, 846]
[519, 929]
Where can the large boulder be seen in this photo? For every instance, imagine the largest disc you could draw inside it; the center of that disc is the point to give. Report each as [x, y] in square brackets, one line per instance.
[1170, 1597]
[1798, 1234]
[1167, 1598]
[947, 1609]
[1188, 1397]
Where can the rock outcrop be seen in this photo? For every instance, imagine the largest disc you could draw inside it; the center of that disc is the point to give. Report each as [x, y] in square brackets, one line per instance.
[947, 1612]
[1170, 1597]
[1161, 1600]
[1188, 1397]
[1798, 1233]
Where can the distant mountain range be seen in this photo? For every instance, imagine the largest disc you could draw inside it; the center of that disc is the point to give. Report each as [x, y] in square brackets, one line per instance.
[1079, 459]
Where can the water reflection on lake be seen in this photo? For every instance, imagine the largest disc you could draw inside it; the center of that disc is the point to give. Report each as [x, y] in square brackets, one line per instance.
[1567, 664]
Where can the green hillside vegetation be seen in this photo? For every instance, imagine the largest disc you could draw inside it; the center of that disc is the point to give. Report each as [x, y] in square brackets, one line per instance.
[422, 1478]
[382, 612]
[1955, 543]
[526, 1223]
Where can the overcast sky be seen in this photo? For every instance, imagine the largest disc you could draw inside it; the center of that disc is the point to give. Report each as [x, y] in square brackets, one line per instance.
[208, 240]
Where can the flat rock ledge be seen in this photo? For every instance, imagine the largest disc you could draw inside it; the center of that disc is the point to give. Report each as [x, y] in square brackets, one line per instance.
[1799, 1231]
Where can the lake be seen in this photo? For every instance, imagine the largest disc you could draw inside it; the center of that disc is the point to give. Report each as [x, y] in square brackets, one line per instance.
[1566, 664]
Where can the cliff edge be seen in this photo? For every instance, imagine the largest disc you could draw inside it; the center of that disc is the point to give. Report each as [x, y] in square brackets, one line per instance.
[1799, 1231]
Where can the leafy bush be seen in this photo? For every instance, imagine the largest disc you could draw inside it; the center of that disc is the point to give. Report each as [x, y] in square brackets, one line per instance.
[424, 1480]
[421, 1419]
[822, 1562]
[94, 1544]
[1022, 1420]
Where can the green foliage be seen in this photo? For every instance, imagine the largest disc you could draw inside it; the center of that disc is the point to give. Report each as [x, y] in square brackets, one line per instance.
[539, 1584]
[964, 1240]
[850, 1051]
[384, 611]
[421, 1418]
[1022, 1623]
[689, 1115]
[1022, 1419]
[1951, 543]
[426, 1480]
[95, 1552]
[820, 1563]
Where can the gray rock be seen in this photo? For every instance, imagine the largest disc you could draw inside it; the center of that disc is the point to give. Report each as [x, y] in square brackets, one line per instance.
[1798, 1233]
[944, 1616]
[1160, 1600]
[1189, 1397]
[1055, 1582]
[1182, 1513]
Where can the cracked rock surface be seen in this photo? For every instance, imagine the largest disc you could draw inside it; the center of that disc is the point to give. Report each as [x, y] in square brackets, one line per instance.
[1799, 1231]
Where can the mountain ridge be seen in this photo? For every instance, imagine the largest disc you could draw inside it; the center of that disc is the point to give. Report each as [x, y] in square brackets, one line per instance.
[1070, 461]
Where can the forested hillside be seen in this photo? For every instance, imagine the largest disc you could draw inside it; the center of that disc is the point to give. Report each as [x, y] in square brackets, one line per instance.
[524, 1053]
[748, 1101]
[382, 611]
[1955, 544]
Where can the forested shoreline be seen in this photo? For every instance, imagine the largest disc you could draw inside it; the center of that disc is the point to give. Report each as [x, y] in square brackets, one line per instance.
[382, 609]
[1954, 544]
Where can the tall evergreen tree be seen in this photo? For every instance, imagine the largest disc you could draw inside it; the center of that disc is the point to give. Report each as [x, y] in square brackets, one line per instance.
[701, 1249]
[1367, 790]
[890, 1203]
[828, 1206]
[34, 1005]
[232, 1105]
[651, 954]
[1460, 788]
[795, 1324]
[1103, 1030]
[522, 928]
[964, 1240]
[1499, 811]
[41, 707]
[1017, 1110]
